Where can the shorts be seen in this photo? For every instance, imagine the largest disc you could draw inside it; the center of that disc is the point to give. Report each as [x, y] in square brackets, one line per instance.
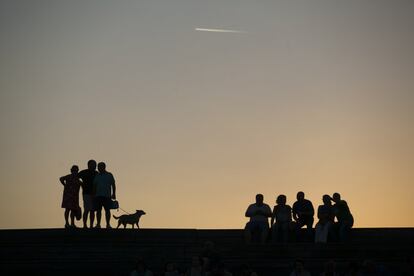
[101, 201]
[257, 226]
[88, 203]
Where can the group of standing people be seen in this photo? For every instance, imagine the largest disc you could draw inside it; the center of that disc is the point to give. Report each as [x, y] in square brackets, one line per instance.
[334, 220]
[98, 190]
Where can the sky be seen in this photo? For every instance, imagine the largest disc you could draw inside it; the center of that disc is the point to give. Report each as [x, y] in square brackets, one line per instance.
[297, 95]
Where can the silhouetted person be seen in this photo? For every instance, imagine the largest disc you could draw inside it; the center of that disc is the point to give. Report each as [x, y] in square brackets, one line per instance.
[87, 177]
[282, 215]
[326, 220]
[343, 215]
[258, 213]
[104, 190]
[70, 202]
[303, 211]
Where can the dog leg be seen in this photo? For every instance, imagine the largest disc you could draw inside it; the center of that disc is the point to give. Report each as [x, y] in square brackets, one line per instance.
[137, 226]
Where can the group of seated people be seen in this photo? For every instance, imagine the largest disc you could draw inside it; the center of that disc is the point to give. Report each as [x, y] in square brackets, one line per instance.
[334, 220]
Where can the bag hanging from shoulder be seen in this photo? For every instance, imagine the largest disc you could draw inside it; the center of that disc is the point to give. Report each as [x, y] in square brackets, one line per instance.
[114, 204]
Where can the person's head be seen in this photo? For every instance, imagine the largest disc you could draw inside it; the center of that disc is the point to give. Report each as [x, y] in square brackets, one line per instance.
[336, 197]
[281, 200]
[92, 165]
[259, 199]
[101, 167]
[300, 196]
[326, 200]
[74, 170]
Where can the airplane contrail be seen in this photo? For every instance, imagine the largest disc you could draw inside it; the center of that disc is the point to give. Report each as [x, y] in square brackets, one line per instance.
[219, 30]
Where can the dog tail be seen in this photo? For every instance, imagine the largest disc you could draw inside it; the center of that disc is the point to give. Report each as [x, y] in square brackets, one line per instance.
[115, 217]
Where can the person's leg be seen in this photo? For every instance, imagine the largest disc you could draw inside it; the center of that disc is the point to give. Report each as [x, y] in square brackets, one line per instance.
[98, 202]
[66, 217]
[85, 211]
[85, 218]
[108, 217]
[98, 218]
[92, 217]
[72, 218]
[107, 206]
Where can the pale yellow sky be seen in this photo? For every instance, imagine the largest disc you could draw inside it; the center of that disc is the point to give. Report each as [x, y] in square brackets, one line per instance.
[308, 95]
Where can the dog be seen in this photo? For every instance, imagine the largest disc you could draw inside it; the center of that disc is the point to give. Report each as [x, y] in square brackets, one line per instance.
[132, 219]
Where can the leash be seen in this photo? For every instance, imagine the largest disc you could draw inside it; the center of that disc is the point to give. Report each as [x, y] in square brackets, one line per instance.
[124, 211]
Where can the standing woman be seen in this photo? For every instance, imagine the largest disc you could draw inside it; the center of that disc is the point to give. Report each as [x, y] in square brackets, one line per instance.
[70, 202]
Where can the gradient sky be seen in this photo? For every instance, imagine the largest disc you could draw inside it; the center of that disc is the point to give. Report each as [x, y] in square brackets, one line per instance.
[312, 95]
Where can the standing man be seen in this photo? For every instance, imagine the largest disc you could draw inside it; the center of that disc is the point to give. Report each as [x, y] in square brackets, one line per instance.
[259, 214]
[104, 187]
[87, 176]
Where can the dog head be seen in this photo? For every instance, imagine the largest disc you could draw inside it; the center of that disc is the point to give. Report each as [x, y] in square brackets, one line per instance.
[140, 212]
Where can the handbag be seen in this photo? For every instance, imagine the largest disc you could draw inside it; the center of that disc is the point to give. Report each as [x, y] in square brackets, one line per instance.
[114, 204]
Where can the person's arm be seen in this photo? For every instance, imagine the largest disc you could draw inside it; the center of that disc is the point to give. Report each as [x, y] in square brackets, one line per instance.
[113, 188]
[290, 214]
[80, 177]
[273, 216]
[248, 212]
[294, 212]
[312, 211]
[63, 180]
[319, 213]
[268, 211]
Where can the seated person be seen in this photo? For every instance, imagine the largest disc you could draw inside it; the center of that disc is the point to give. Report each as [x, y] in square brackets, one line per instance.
[258, 213]
[344, 218]
[326, 220]
[303, 211]
[282, 214]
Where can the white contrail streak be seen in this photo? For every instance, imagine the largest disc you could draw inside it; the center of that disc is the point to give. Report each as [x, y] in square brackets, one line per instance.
[219, 30]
